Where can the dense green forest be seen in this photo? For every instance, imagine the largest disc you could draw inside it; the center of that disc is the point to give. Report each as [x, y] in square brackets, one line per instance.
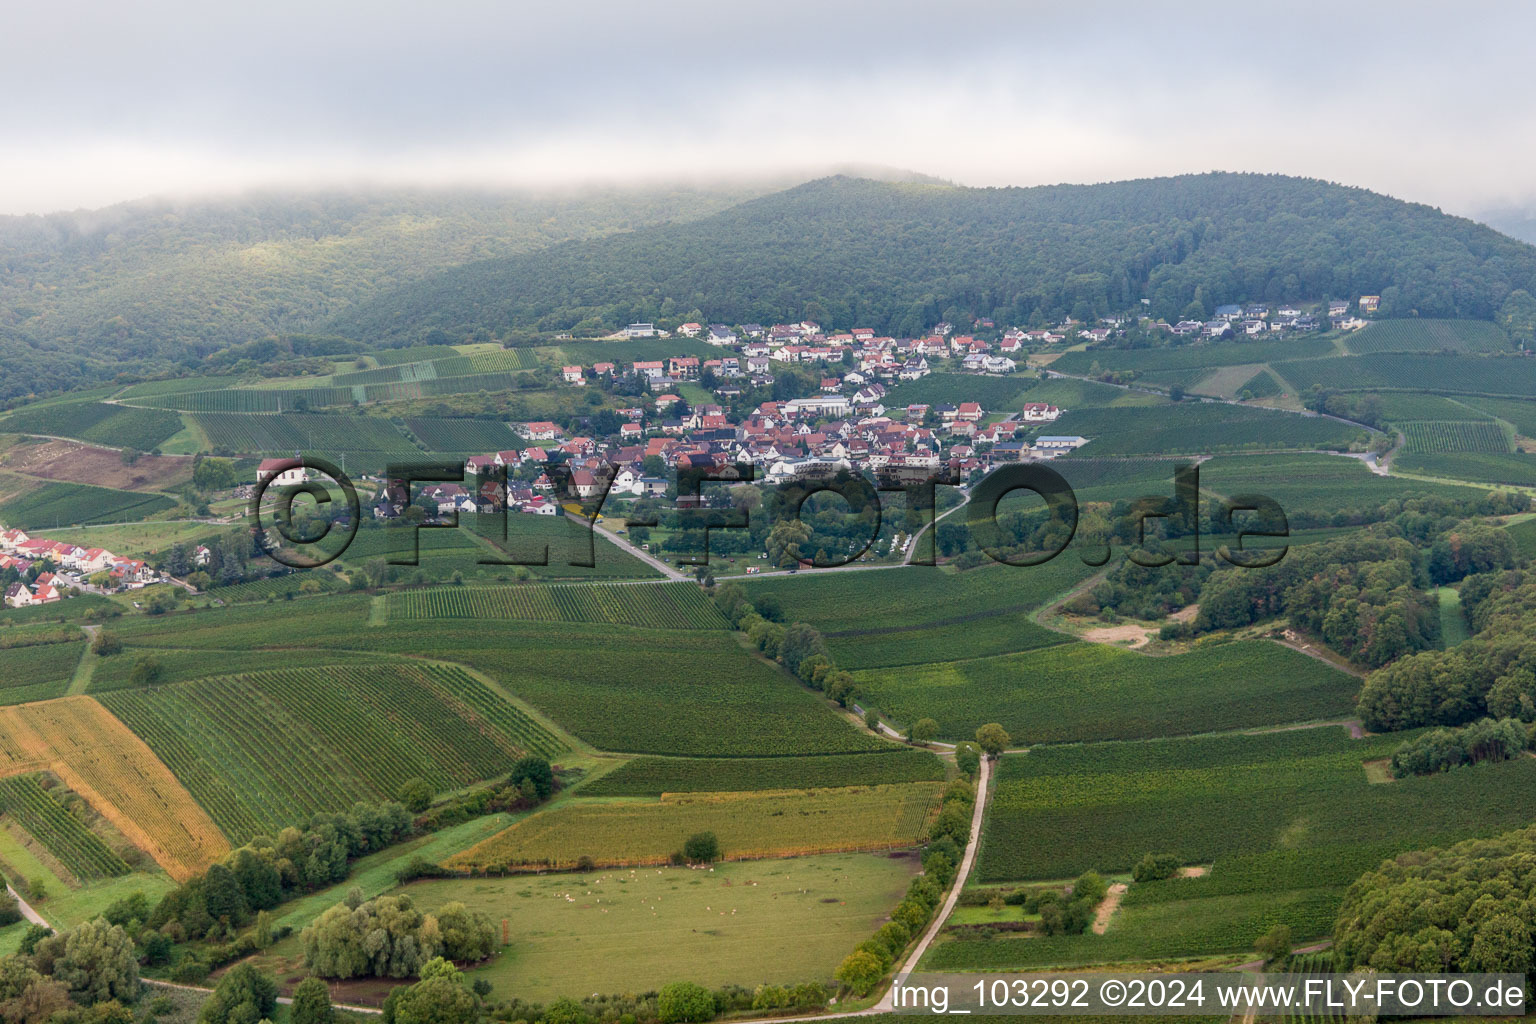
[900, 257]
[150, 285]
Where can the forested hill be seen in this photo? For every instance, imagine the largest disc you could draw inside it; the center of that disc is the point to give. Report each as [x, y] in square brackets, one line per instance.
[899, 257]
[146, 285]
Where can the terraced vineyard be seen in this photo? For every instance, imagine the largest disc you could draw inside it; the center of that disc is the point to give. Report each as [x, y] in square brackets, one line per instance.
[80, 850]
[462, 384]
[659, 606]
[254, 400]
[503, 361]
[174, 386]
[1520, 415]
[65, 504]
[404, 372]
[415, 354]
[1104, 805]
[678, 692]
[463, 435]
[267, 749]
[748, 825]
[1479, 436]
[1070, 393]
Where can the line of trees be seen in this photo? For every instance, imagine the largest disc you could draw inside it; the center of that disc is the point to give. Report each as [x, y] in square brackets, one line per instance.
[1440, 750]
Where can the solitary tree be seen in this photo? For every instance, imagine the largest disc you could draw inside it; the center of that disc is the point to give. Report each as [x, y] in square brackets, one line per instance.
[415, 794]
[1274, 945]
[922, 730]
[993, 739]
[860, 971]
[311, 1003]
[702, 848]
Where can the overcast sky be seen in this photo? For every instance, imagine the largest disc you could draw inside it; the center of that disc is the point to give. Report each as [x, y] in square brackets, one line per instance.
[111, 101]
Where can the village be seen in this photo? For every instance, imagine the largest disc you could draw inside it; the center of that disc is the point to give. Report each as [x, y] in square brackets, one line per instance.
[44, 571]
[848, 425]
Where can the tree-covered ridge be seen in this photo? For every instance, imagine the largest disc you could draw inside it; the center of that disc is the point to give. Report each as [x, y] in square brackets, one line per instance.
[1467, 908]
[158, 283]
[901, 257]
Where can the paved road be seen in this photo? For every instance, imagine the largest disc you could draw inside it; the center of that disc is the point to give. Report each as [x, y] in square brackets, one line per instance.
[26, 908]
[972, 845]
[912, 545]
[666, 570]
[884, 1004]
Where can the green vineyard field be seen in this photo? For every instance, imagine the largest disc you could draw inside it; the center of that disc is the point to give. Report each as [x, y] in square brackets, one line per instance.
[1473, 375]
[81, 851]
[996, 394]
[119, 426]
[264, 750]
[64, 504]
[653, 776]
[1192, 356]
[1196, 428]
[1078, 692]
[659, 606]
[39, 671]
[504, 361]
[1428, 336]
[321, 435]
[1515, 468]
[1433, 436]
[463, 435]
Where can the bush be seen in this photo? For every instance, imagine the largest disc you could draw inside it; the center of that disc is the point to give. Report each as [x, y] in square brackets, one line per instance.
[860, 971]
[702, 848]
[1154, 867]
[967, 758]
[107, 644]
[683, 1002]
[415, 794]
[244, 994]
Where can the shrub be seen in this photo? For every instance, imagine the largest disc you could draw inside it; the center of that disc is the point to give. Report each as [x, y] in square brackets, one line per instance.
[1155, 867]
[415, 794]
[683, 1002]
[702, 848]
[860, 971]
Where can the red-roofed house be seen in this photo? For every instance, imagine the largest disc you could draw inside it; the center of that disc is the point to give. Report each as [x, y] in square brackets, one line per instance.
[542, 430]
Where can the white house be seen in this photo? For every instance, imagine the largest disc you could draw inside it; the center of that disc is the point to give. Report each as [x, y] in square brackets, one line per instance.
[279, 471]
